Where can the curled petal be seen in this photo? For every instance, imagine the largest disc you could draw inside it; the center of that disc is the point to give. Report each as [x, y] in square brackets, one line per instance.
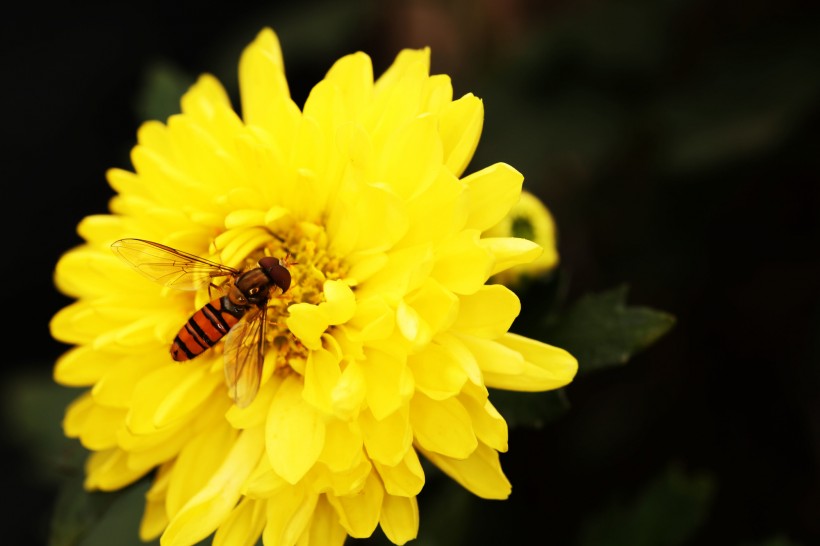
[510, 251]
[399, 518]
[479, 473]
[545, 367]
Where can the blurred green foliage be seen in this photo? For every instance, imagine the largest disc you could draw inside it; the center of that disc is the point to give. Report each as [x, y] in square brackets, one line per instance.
[666, 512]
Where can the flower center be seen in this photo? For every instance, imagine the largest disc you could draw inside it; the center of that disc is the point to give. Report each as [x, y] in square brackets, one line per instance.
[304, 251]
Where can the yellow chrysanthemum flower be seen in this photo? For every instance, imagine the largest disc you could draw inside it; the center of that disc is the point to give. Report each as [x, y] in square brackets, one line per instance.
[381, 350]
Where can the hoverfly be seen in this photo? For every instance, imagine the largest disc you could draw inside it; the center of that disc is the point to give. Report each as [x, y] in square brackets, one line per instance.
[239, 314]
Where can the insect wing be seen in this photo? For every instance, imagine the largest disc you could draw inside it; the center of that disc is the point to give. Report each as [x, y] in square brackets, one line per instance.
[169, 266]
[245, 356]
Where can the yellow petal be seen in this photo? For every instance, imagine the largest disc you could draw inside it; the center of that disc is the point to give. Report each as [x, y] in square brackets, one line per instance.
[493, 357]
[86, 272]
[479, 473]
[510, 251]
[438, 93]
[436, 372]
[389, 382]
[81, 366]
[353, 75]
[147, 450]
[243, 526]
[208, 104]
[116, 386]
[404, 479]
[154, 520]
[289, 512]
[399, 518]
[461, 123]
[109, 470]
[343, 446]
[349, 393]
[308, 322]
[488, 313]
[545, 367]
[263, 481]
[443, 426]
[264, 90]
[462, 264]
[380, 216]
[411, 173]
[405, 270]
[201, 155]
[169, 393]
[306, 193]
[76, 415]
[435, 305]
[213, 504]
[199, 458]
[437, 213]
[493, 191]
[99, 427]
[255, 414]
[236, 244]
[411, 325]
[322, 374]
[340, 303]
[363, 266]
[347, 482]
[374, 319]
[324, 529]
[463, 356]
[398, 95]
[359, 514]
[408, 61]
[387, 440]
[489, 426]
[295, 432]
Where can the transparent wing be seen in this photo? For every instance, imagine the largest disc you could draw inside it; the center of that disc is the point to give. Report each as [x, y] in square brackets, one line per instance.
[169, 266]
[244, 356]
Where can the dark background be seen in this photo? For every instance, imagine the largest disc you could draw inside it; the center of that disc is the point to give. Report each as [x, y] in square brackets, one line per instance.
[675, 142]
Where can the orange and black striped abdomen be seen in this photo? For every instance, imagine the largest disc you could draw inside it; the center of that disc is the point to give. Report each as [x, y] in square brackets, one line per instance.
[205, 328]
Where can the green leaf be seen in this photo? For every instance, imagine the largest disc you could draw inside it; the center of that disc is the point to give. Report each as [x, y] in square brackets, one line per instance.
[33, 407]
[83, 518]
[600, 330]
[161, 92]
[666, 513]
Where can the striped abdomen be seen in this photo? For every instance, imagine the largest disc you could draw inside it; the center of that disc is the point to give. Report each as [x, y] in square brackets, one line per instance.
[205, 328]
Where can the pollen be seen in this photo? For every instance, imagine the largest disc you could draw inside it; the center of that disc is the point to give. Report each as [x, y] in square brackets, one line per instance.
[303, 249]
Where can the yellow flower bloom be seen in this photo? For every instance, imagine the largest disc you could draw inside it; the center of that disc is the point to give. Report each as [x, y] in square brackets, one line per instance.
[528, 219]
[381, 350]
